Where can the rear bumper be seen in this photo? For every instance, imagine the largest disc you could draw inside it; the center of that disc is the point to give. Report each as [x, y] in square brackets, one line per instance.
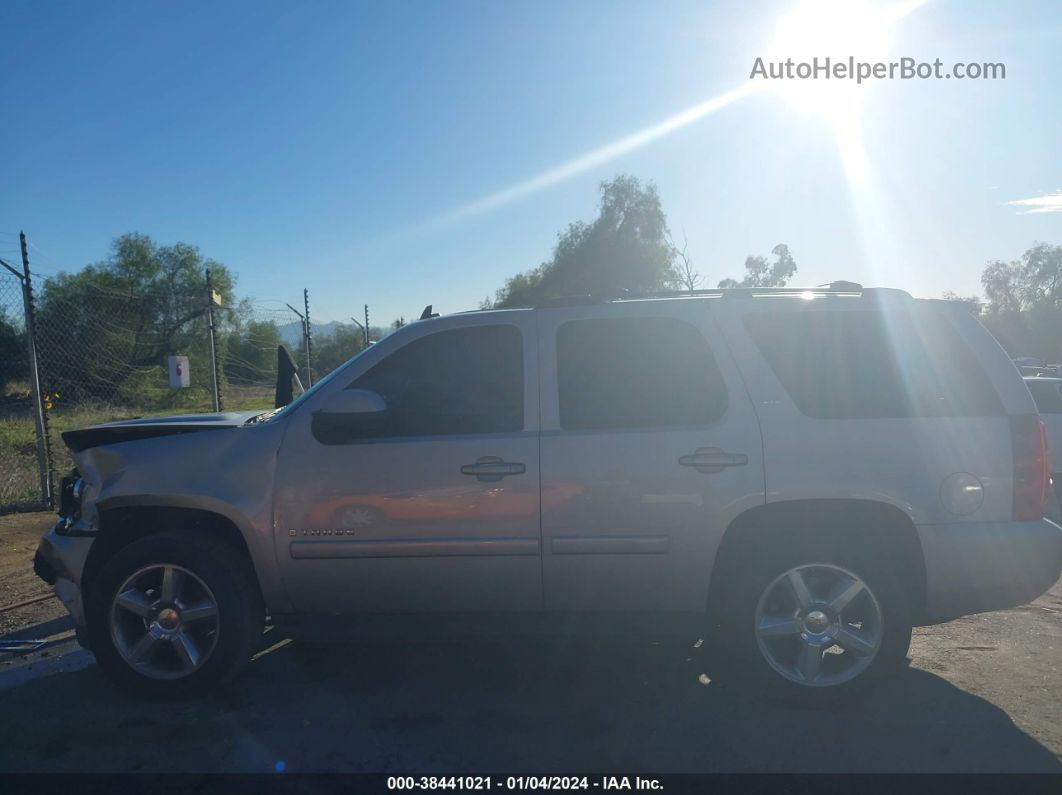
[976, 567]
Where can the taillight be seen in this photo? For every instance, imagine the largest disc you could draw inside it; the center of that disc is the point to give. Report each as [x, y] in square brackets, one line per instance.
[1028, 442]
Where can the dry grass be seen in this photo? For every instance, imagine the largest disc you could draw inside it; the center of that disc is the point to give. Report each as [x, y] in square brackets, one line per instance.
[19, 481]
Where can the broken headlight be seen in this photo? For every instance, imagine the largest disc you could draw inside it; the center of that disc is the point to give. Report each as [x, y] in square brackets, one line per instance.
[71, 490]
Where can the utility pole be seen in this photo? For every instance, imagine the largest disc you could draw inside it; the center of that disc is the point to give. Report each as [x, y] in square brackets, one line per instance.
[309, 339]
[365, 328]
[357, 323]
[40, 419]
[213, 343]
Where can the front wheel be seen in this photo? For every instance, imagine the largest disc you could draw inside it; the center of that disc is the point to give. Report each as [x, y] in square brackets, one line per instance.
[174, 614]
[812, 625]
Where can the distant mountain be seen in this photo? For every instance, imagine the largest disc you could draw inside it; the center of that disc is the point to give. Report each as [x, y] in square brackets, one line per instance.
[291, 333]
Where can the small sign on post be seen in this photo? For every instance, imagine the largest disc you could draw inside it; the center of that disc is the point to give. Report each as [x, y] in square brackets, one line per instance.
[180, 375]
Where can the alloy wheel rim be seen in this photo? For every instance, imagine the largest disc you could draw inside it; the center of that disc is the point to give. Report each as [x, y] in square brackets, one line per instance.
[164, 621]
[819, 625]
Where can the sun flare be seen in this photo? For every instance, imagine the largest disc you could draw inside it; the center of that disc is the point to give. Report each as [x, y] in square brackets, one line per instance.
[834, 29]
[838, 30]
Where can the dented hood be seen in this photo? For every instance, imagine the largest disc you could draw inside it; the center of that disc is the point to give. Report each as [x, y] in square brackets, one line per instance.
[147, 427]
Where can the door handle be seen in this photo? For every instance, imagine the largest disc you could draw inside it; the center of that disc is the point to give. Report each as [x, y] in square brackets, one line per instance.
[491, 469]
[711, 459]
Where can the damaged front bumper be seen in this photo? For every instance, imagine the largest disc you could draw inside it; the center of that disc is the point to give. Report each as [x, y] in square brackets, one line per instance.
[60, 561]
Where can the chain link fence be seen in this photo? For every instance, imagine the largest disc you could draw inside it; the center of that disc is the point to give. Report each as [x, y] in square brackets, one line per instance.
[105, 358]
[20, 484]
[106, 354]
[83, 348]
[247, 351]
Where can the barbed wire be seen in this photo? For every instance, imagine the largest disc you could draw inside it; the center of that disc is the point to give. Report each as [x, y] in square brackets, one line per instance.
[103, 354]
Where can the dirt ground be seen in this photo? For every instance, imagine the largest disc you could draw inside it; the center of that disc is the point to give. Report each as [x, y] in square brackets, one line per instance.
[981, 694]
[19, 534]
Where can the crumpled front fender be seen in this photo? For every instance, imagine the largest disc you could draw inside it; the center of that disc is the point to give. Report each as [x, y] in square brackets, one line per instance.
[228, 472]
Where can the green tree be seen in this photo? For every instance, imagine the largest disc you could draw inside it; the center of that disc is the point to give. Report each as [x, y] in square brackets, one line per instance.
[330, 352]
[1024, 302]
[13, 361]
[1040, 281]
[687, 277]
[1001, 281]
[1034, 280]
[761, 273]
[251, 355]
[123, 316]
[971, 302]
[626, 247]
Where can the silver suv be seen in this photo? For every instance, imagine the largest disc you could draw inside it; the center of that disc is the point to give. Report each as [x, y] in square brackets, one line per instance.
[797, 476]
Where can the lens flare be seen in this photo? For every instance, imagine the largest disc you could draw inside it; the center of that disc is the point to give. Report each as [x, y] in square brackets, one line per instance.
[597, 157]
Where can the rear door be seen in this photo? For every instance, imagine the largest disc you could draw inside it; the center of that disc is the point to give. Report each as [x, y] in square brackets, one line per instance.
[649, 449]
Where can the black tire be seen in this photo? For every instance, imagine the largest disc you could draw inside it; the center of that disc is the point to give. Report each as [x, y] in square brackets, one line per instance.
[240, 614]
[733, 654]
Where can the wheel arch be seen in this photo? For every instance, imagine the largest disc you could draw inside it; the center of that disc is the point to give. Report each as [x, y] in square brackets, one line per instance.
[878, 523]
[125, 520]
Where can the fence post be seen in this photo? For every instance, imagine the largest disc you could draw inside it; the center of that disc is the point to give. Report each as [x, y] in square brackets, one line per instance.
[40, 418]
[218, 403]
[309, 338]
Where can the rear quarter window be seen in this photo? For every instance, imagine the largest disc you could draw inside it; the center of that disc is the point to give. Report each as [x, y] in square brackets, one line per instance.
[863, 364]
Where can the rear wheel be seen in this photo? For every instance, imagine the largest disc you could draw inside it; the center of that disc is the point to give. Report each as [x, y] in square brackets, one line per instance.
[811, 623]
[174, 614]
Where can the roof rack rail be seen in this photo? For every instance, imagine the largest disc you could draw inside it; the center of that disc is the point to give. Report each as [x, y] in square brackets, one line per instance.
[572, 300]
[844, 286]
[835, 287]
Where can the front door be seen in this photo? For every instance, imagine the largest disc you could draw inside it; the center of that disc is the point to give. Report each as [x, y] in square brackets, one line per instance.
[650, 448]
[436, 508]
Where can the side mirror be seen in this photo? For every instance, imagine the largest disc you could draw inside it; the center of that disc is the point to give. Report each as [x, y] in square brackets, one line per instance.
[349, 414]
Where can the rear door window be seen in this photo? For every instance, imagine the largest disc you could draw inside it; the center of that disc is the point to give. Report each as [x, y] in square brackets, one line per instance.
[862, 364]
[636, 373]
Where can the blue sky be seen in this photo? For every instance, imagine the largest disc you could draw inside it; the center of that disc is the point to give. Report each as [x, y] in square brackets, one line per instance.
[319, 144]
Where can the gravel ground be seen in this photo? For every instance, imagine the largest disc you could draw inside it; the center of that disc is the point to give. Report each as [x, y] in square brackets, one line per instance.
[981, 694]
[19, 534]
